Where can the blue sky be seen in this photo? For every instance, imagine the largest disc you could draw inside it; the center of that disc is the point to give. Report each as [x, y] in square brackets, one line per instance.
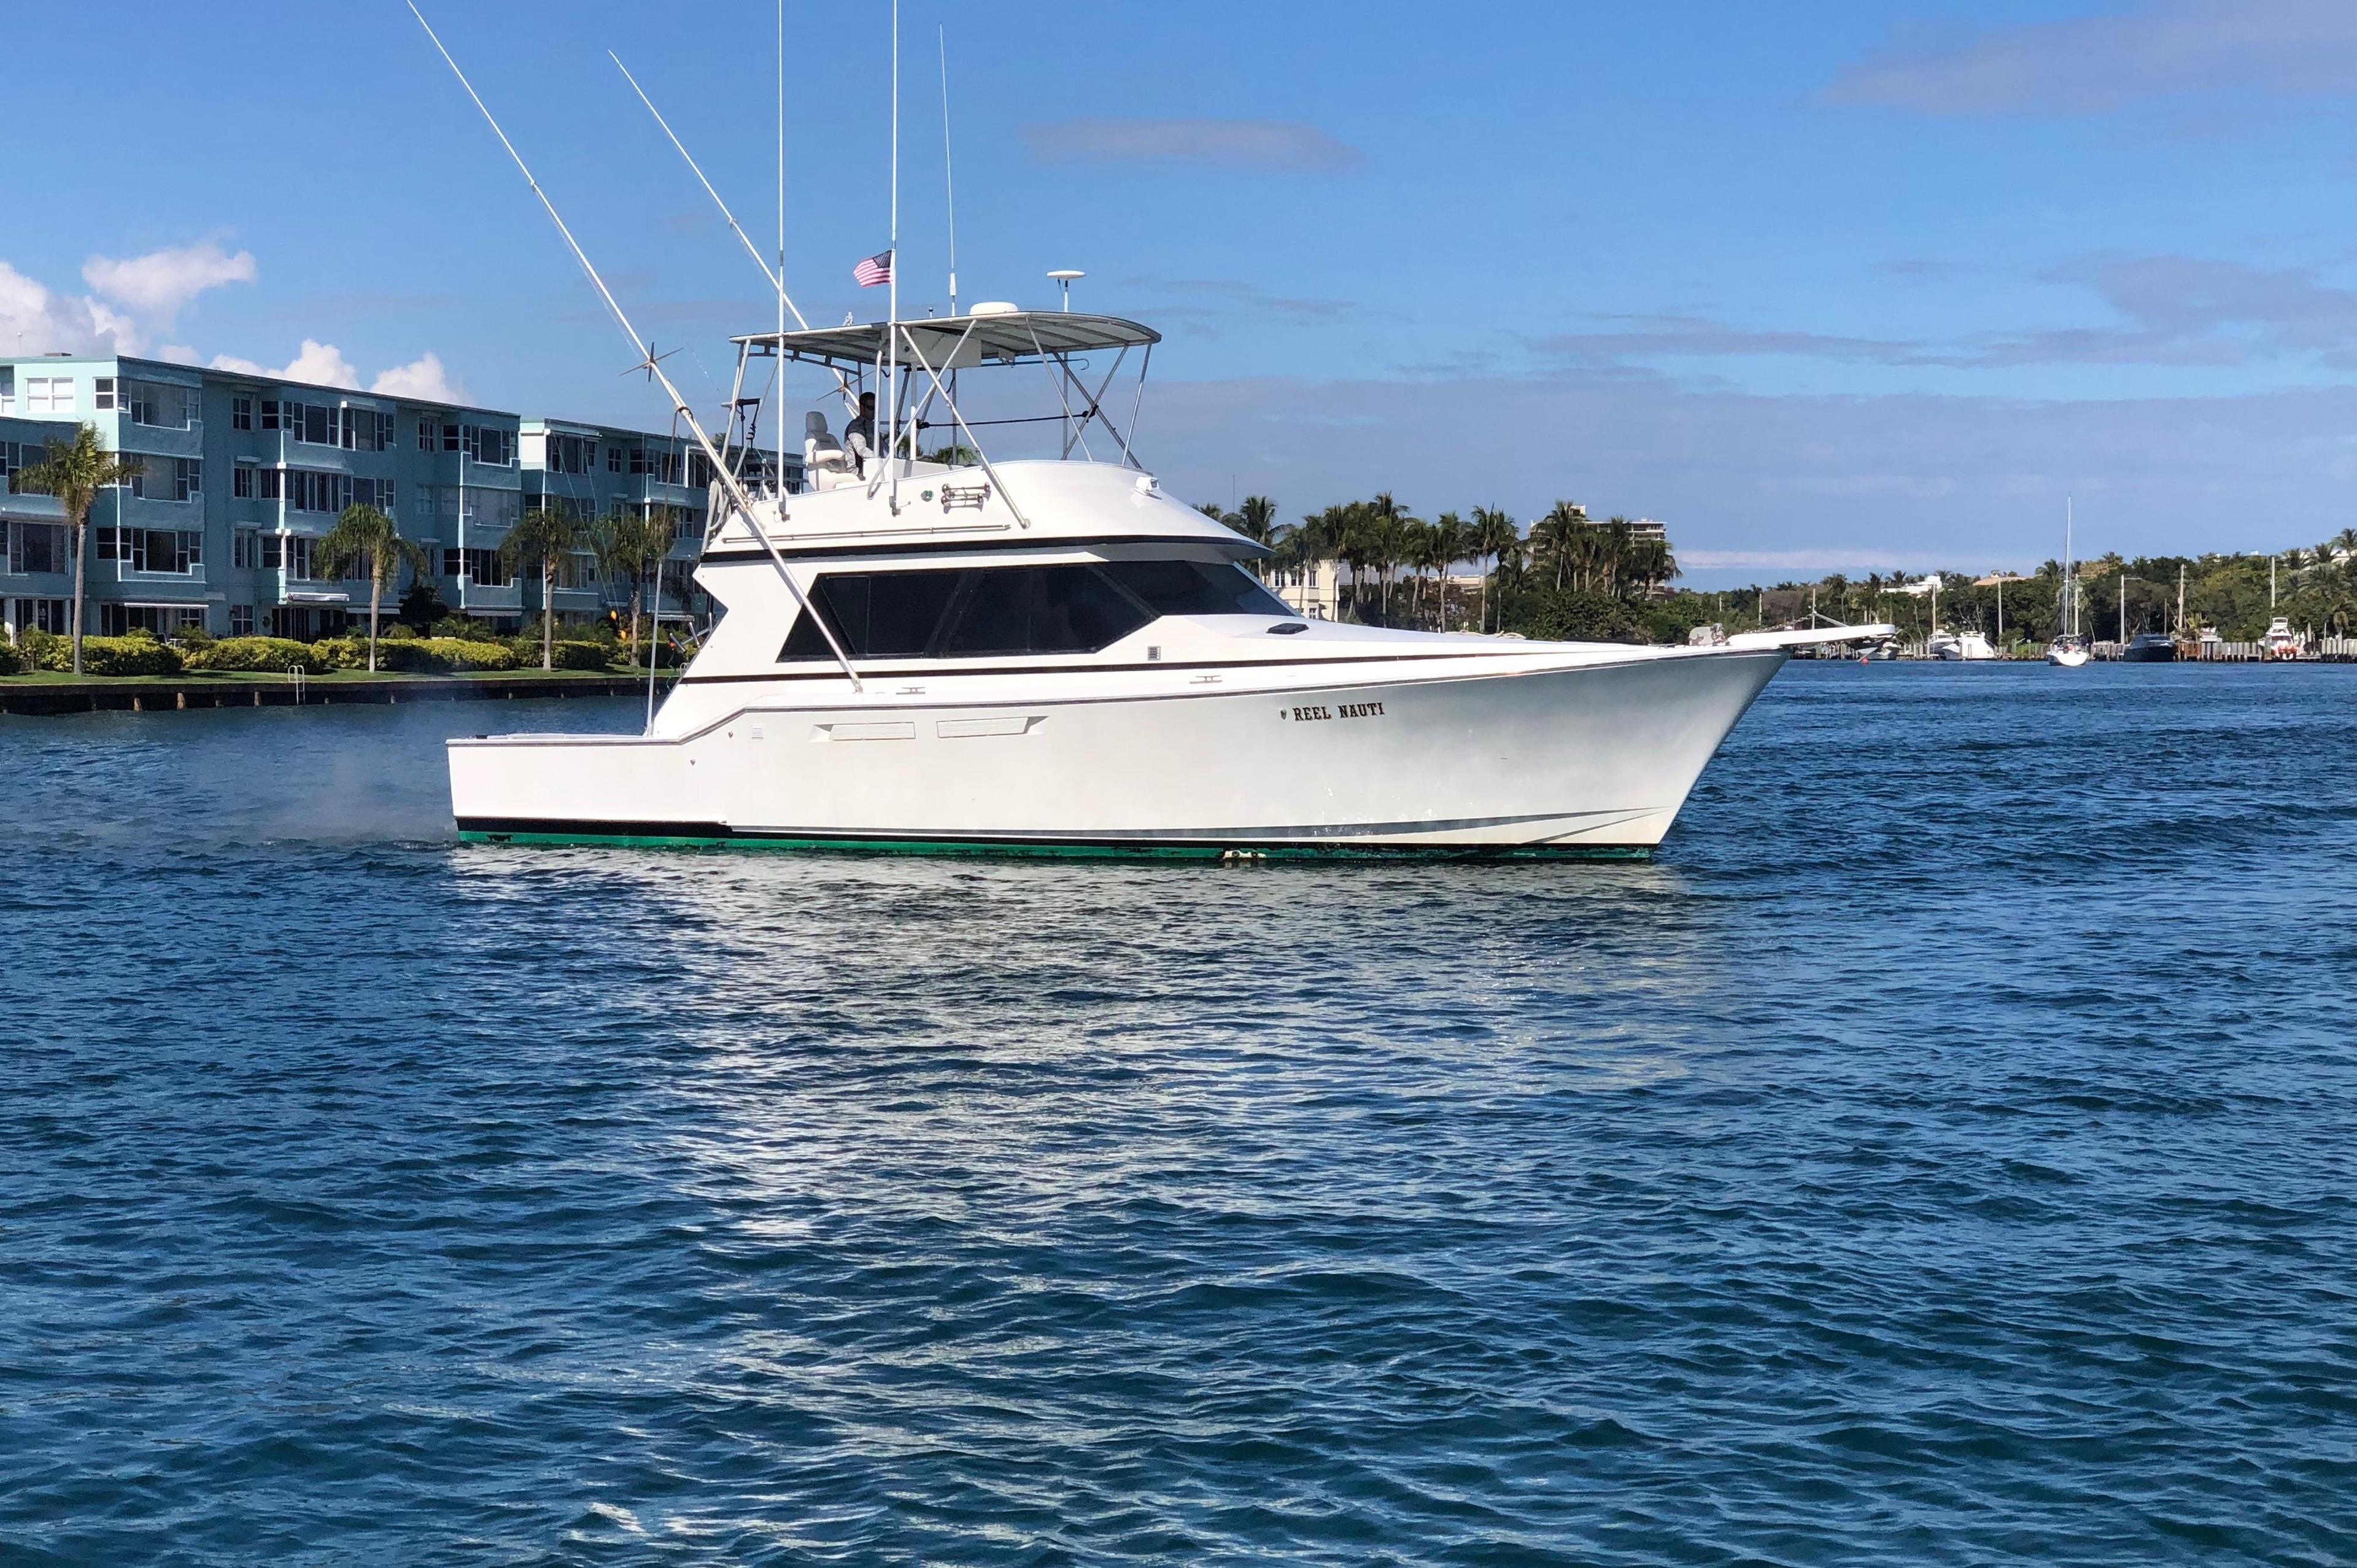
[1825, 286]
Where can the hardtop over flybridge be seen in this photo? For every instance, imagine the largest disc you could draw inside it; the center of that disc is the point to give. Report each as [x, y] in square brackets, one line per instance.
[957, 651]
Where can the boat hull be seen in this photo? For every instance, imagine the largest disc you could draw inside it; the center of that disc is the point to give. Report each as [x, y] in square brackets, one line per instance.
[1587, 760]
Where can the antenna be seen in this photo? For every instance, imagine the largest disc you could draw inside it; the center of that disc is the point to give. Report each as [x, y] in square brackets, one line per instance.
[1064, 277]
[778, 382]
[949, 170]
[776, 279]
[893, 284]
[647, 361]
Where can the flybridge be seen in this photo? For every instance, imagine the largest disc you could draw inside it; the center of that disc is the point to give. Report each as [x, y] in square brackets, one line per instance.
[915, 366]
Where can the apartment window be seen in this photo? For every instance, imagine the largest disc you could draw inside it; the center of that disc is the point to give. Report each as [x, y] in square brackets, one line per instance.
[160, 405]
[36, 547]
[15, 455]
[50, 395]
[306, 489]
[613, 458]
[571, 453]
[245, 549]
[273, 414]
[154, 550]
[288, 552]
[241, 620]
[115, 620]
[450, 440]
[241, 417]
[240, 482]
[483, 567]
[489, 445]
[7, 389]
[102, 395]
[43, 615]
[188, 480]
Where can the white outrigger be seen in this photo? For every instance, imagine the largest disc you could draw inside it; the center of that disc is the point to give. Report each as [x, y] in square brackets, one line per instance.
[1054, 656]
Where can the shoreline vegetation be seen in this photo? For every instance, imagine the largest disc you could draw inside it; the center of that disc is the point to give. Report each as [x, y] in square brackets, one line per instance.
[446, 651]
[1571, 577]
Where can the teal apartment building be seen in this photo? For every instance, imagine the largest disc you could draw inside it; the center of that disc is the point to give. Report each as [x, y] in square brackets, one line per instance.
[596, 470]
[241, 475]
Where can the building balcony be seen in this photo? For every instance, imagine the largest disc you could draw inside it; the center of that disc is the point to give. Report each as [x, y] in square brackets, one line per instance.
[505, 600]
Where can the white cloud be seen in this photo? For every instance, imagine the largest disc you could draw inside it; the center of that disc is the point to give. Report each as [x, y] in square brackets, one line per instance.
[157, 284]
[320, 364]
[39, 320]
[422, 377]
[2093, 65]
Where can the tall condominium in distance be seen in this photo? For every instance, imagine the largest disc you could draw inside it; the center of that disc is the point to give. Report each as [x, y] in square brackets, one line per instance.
[241, 475]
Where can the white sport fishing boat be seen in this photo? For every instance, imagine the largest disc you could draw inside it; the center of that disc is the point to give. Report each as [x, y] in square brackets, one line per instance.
[1054, 656]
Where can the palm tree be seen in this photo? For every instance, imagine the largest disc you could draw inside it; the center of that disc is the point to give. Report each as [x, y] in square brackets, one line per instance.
[1387, 528]
[632, 548]
[1494, 538]
[1437, 546]
[365, 540]
[75, 471]
[544, 537]
[1256, 519]
[1560, 545]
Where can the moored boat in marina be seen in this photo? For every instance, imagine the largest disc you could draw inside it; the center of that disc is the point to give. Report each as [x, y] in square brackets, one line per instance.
[2069, 650]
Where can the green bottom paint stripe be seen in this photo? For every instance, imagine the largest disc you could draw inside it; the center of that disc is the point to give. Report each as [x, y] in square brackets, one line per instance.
[1067, 850]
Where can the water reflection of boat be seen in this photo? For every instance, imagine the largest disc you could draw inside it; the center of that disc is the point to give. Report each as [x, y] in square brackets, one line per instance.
[2150, 648]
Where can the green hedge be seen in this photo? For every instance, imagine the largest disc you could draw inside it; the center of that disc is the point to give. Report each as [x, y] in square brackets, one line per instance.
[440, 655]
[12, 662]
[272, 654]
[114, 656]
[581, 656]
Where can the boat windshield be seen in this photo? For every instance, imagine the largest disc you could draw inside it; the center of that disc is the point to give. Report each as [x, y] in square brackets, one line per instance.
[973, 612]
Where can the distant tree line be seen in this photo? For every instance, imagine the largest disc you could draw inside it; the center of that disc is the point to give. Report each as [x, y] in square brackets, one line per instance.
[1569, 576]
[1566, 570]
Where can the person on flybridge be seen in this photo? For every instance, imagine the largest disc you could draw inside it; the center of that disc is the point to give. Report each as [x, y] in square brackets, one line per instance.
[860, 434]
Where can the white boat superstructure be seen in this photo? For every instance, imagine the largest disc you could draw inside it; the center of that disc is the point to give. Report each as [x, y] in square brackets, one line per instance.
[1954, 646]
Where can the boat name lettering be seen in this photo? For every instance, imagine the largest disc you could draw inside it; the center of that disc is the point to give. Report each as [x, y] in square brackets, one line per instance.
[1339, 711]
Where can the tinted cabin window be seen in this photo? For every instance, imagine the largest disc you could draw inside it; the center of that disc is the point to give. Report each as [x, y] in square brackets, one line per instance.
[1007, 611]
[1197, 588]
[1041, 609]
[878, 615]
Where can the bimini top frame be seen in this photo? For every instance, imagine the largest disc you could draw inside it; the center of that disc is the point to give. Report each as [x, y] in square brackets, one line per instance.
[989, 338]
[961, 342]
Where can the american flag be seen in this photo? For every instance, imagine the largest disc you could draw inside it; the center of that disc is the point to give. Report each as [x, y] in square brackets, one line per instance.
[875, 268]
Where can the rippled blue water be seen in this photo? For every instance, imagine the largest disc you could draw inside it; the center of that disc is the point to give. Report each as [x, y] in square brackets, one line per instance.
[1942, 1154]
